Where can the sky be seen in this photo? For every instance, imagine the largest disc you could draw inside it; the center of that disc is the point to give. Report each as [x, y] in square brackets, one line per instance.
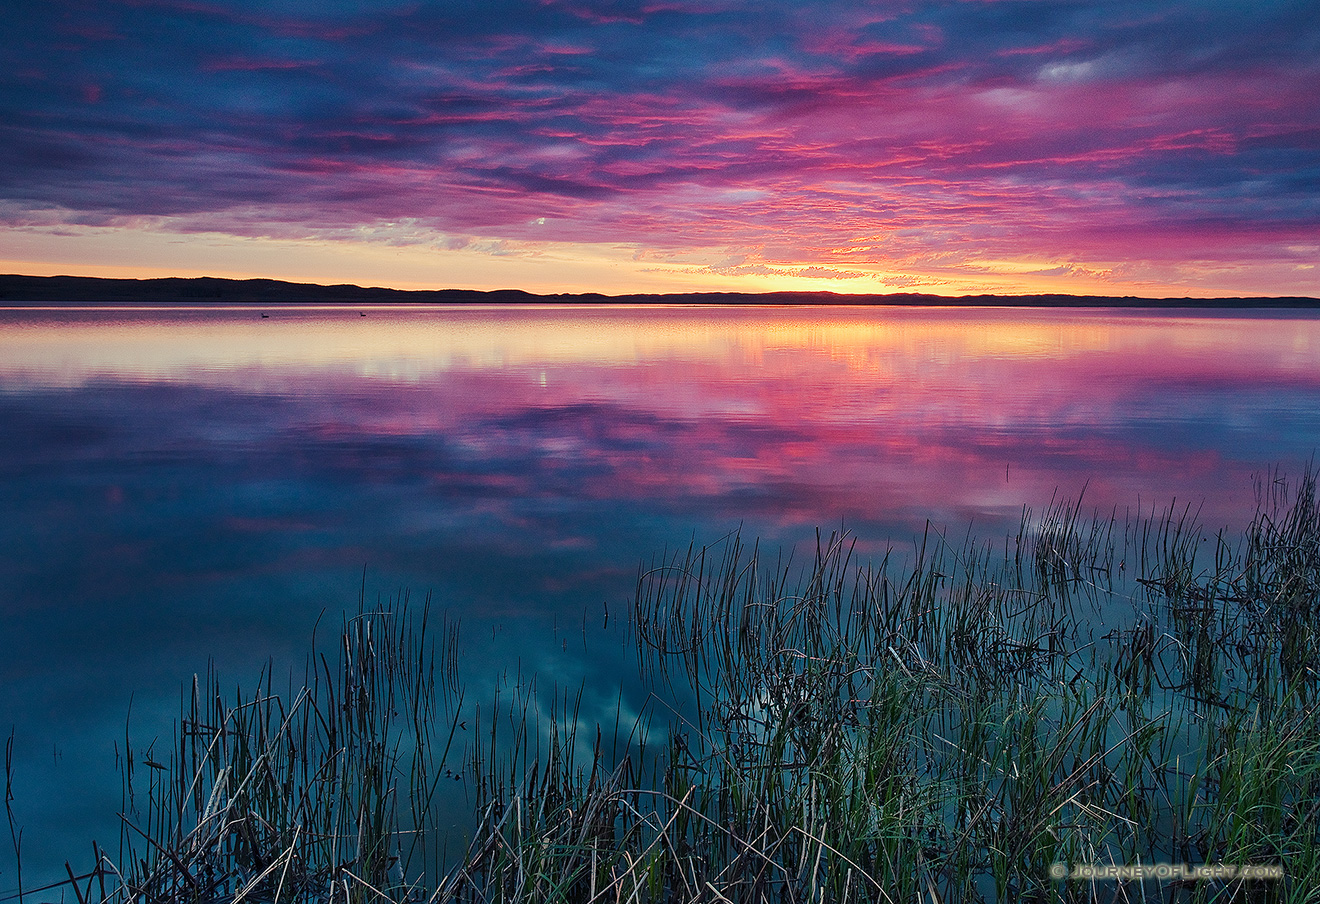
[1143, 147]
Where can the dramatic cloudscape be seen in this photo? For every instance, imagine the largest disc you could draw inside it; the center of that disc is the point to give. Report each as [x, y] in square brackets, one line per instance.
[1139, 147]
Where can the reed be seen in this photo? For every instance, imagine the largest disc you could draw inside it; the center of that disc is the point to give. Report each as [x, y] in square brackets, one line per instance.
[15, 831]
[951, 727]
[316, 791]
[945, 725]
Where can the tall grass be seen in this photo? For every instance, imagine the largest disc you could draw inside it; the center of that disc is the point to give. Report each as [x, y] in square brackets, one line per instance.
[950, 724]
[316, 791]
[949, 728]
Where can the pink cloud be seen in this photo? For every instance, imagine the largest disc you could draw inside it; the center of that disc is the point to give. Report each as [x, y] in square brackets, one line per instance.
[934, 139]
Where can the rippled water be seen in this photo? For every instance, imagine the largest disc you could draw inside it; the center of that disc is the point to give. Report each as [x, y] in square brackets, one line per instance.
[185, 485]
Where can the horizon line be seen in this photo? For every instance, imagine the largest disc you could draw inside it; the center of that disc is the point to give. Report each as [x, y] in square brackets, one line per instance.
[71, 289]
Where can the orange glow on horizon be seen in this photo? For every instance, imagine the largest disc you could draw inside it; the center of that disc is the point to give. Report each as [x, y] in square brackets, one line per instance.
[611, 269]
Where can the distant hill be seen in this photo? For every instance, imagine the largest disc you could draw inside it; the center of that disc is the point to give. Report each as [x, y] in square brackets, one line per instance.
[93, 290]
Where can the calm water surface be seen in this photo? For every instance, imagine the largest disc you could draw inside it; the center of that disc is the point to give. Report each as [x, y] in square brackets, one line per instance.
[187, 485]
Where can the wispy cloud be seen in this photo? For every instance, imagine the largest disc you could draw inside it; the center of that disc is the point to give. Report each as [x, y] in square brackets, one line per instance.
[839, 139]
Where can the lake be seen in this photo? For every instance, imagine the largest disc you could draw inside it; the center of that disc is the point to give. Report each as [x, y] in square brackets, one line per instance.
[187, 485]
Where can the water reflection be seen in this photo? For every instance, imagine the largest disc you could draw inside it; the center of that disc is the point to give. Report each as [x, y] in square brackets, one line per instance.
[178, 485]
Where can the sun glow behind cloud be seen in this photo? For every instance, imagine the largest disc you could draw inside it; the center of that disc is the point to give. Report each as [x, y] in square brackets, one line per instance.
[950, 148]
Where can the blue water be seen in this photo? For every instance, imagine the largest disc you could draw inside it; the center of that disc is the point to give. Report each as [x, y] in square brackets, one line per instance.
[183, 486]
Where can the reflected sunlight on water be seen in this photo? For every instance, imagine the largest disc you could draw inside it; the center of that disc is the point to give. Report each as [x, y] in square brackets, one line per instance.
[71, 344]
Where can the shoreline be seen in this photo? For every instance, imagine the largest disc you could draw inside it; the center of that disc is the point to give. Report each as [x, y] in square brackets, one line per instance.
[28, 291]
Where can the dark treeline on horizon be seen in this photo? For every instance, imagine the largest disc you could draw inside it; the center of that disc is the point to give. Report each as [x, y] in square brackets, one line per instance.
[201, 290]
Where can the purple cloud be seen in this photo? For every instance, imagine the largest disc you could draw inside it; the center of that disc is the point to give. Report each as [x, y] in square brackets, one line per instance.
[809, 131]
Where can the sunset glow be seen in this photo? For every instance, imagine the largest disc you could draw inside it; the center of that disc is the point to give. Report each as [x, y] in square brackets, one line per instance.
[1146, 148]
